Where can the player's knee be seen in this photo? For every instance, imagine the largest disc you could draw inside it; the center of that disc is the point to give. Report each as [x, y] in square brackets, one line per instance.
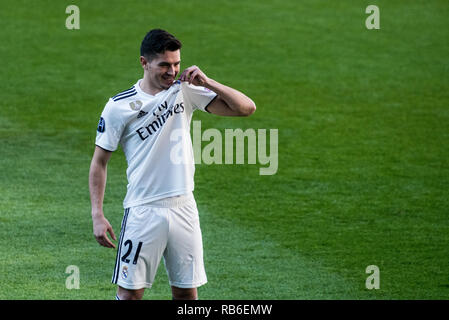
[126, 294]
[184, 293]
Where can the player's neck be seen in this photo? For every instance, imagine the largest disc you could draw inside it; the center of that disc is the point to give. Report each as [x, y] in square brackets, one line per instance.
[148, 88]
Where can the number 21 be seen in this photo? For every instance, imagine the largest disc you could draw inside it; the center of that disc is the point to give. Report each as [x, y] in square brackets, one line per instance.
[129, 243]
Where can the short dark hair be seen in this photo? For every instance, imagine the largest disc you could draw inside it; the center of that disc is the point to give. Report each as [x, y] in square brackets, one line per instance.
[158, 41]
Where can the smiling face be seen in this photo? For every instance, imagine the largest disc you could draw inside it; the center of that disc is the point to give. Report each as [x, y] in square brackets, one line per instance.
[161, 70]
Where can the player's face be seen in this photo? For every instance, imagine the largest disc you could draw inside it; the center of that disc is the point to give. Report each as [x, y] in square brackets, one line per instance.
[163, 69]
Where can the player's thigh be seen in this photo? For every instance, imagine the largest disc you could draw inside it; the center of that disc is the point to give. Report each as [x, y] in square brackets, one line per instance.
[143, 241]
[183, 256]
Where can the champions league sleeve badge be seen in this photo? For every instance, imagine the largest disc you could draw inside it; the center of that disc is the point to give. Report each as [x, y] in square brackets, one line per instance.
[101, 125]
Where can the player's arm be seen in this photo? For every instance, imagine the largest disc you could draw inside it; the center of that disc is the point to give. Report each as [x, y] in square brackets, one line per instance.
[229, 101]
[97, 185]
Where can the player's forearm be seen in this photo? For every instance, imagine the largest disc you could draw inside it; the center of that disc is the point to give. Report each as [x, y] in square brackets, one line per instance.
[97, 185]
[235, 100]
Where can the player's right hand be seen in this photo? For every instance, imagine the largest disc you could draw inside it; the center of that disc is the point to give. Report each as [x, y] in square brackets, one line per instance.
[101, 227]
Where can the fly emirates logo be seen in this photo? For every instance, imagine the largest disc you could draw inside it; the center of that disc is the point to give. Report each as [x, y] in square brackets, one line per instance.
[160, 116]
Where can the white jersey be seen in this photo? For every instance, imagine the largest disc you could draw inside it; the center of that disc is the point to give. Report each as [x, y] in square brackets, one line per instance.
[154, 133]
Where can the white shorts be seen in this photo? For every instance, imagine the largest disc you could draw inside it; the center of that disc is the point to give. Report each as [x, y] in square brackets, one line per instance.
[168, 228]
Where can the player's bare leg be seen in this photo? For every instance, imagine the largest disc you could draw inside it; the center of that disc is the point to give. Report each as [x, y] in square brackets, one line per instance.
[184, 293]
[127, 294]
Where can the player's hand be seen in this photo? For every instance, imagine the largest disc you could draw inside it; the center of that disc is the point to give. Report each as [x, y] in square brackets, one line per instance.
[194, 76]
[102, 226]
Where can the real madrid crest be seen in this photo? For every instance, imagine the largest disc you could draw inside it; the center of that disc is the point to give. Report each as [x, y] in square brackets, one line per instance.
[125, 272]
[135, 105]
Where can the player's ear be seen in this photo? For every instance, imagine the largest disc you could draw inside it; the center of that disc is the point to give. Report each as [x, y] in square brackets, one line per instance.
[143, 62]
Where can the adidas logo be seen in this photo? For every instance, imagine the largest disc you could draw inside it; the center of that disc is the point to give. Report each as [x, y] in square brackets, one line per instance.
[141, 114]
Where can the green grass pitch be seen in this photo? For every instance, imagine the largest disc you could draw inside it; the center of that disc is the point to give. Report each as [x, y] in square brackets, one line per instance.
[363, 124]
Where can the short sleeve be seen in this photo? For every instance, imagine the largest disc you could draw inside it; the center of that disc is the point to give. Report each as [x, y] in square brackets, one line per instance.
[110, 128]
[197, 97]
